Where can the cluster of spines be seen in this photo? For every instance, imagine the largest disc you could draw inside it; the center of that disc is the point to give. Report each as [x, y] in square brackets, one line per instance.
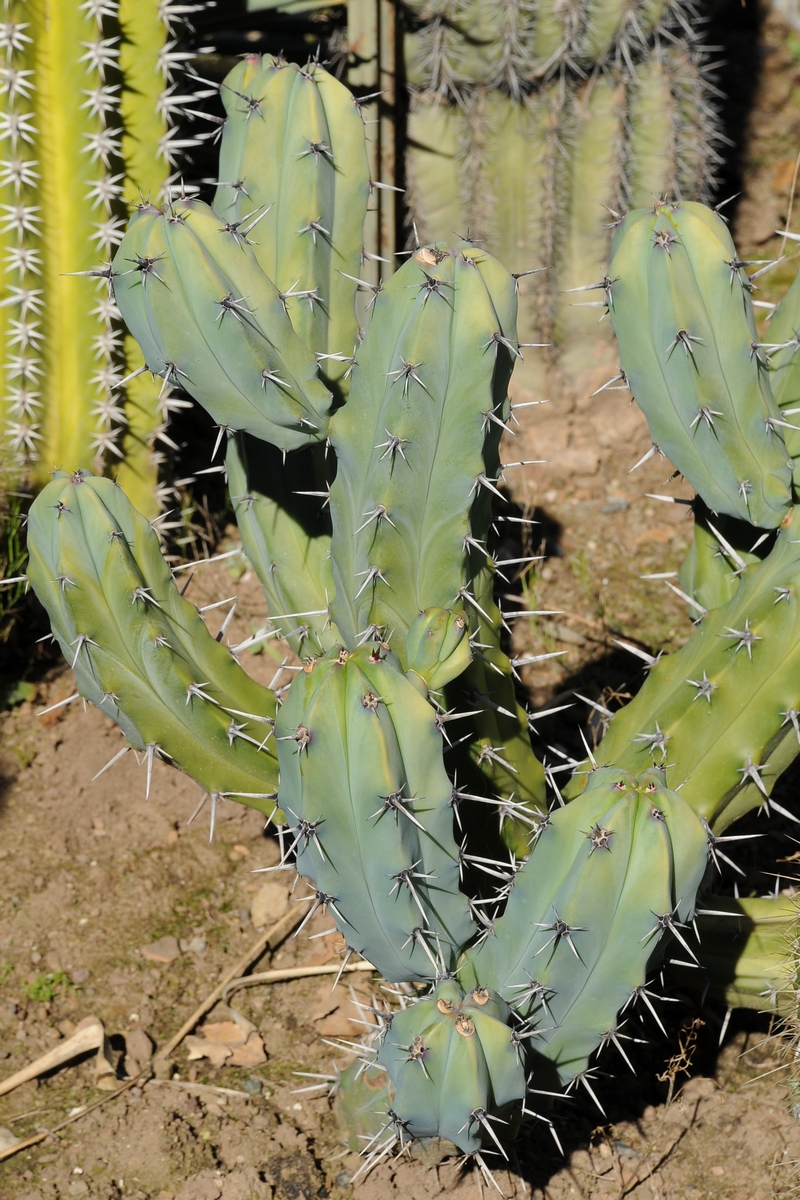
[20, 326]
[515, 45]
[81, 143]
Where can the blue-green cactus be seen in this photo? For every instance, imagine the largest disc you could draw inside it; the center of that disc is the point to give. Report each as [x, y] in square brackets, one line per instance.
[522, 962]
[679, 300]
[186, 283]
[139, 650]
[722, 713]
[453, 1066]
[609, 875]
[369, 802]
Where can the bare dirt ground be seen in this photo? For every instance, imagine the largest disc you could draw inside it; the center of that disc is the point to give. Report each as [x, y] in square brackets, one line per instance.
[115, 907]
[99, 884]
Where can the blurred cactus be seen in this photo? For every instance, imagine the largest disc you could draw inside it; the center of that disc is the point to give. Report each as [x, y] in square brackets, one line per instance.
[89, 95]
[747, 951]
[529, 141]
[513, 46]
[527, 928]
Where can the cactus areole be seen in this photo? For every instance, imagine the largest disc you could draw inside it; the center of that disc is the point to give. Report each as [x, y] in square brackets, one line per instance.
[363, 466]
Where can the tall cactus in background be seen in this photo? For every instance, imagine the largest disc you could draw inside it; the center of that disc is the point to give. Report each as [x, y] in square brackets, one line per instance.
[524, 956]
[89, 92]
[529, 123]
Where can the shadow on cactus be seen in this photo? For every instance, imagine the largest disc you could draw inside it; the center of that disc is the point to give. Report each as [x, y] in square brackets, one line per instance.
[517, 969]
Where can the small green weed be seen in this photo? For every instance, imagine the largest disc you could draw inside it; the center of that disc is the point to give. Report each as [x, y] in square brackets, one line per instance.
[13, 557]
[25, 755]
[14, 693]
[45, 988]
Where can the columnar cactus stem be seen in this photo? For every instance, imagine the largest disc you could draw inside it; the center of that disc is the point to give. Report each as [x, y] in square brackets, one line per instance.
[718, 713]
[565, 963]
[435, 361]
[195, 272]
[20, 327]
[139, 650]
[310, 212]
[88, 89]
[286, 536]
[532, 151]
[680, 304]
[369, 802]
[747, 952]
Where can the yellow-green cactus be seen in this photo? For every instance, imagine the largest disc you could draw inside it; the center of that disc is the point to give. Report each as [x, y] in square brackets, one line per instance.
[86, 103]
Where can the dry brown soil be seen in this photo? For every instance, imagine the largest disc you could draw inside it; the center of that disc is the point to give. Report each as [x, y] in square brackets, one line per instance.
[94, 874]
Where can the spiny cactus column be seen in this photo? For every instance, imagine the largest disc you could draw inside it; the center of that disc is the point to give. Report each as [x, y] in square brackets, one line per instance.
[88, 90]
[535, 173]
[721, 714]
[680, 304]
[369, 801]
[608, 876]
[782, 352]
[139, 650]
[433, 368]
[310, 212]
[512, 46]
[20, 330]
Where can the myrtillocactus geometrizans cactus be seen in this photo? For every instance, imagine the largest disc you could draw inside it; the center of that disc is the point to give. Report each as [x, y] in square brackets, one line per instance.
[363, 465]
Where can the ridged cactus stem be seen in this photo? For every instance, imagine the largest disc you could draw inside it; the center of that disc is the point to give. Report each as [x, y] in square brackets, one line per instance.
[308, 211]
[746, 948]
[608, 876]
[89, 95]
[680, 304]
[139, 650]
[432, 371]
[20, 367]
[370, 804]
[151, 101]
[537, 173]
[286, 536]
